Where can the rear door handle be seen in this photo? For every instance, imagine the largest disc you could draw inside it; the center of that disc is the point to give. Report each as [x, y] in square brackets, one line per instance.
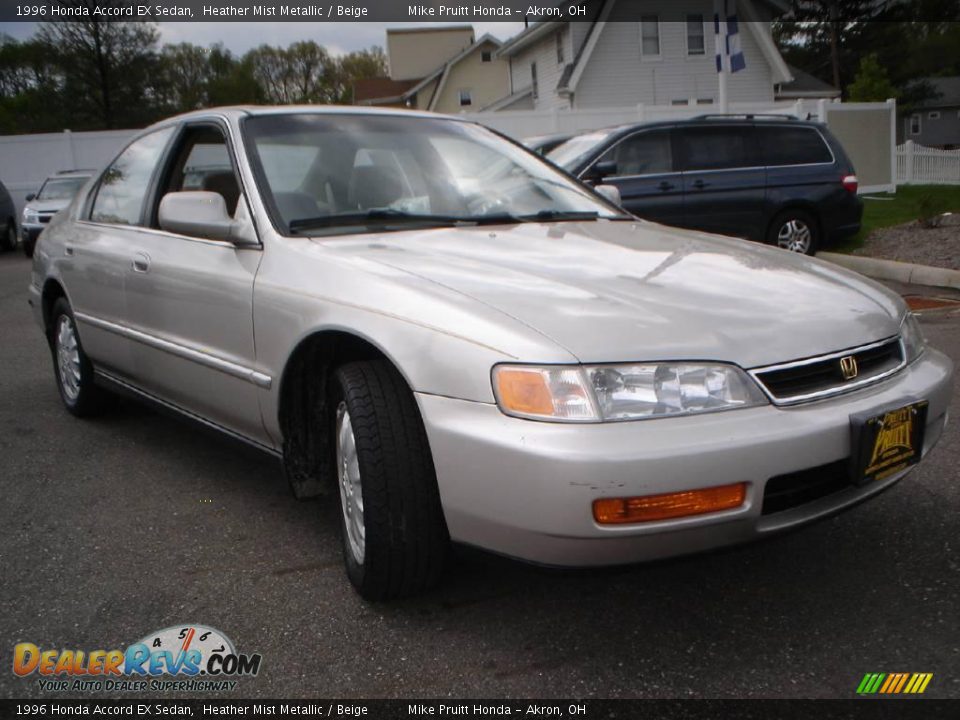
[141, 262]
[700, 184]
[664, 186]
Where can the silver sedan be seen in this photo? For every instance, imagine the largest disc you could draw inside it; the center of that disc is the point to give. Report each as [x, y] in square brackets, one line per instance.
[460, 343]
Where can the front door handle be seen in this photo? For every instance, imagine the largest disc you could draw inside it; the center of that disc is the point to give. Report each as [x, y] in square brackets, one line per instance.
[68, 250]
[664, 186]
[141, 262]
[700, 184]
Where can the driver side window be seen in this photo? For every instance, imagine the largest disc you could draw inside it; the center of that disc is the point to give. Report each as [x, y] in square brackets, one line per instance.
[201, 161]
[646, 153]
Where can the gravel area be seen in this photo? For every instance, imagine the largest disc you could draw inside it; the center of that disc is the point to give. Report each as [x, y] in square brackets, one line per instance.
[912, 243]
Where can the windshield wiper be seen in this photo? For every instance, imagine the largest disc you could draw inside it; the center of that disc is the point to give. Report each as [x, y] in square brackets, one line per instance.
[374, 215]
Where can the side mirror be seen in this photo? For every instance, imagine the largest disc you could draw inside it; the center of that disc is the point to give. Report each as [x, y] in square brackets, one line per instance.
[610, 192]
[598, 171]
[31, 196]
[197, 214]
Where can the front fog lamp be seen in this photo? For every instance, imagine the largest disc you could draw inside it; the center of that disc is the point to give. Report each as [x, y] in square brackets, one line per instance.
[912, 337]
[595, 393]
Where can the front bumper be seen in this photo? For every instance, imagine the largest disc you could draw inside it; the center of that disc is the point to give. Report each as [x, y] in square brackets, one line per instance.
[525, 489]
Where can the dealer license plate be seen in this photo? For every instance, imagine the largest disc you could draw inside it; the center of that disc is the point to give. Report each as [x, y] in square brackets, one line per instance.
[888, 442]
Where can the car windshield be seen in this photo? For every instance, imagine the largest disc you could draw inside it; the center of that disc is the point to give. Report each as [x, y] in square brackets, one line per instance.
[61, 188]
[335, 173]
[574, 151]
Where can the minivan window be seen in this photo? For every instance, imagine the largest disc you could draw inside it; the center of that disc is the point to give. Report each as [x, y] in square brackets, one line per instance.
[123, 186]
[646, 153]
[792, 146]
[715, 148]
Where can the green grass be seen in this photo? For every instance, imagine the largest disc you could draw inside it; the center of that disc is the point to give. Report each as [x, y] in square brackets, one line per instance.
[898, 208]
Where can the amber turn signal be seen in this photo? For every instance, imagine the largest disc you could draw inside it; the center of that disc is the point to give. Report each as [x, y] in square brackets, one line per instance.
[617, 511]
[524, 391]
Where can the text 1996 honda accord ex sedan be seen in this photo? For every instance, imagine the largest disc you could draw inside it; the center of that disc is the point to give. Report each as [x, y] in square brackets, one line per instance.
[474, 347]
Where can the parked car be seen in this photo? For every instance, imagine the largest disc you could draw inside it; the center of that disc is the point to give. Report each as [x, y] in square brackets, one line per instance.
[55, 194]
[774, 179]
[518, 366]
[543, 144]
[8, 219]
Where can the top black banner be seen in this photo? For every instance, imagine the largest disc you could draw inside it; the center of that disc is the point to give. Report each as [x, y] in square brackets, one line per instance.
[443, 11]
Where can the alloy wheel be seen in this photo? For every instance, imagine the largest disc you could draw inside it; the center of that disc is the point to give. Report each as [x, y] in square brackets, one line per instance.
[795, 235]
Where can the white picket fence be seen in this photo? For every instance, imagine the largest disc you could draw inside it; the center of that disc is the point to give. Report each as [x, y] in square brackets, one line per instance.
[921, 165]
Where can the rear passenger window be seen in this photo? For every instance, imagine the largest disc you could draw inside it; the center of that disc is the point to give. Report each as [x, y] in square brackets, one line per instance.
[792, 146]
[646, 153]
[123, 186]
[715, 148]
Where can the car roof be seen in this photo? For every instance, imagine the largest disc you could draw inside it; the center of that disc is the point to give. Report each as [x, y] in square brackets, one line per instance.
[758, 118]
[234, 112]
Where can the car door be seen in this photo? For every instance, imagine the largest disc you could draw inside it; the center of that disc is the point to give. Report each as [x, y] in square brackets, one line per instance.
[646, 175]
[95, 261]
[191, 298]
[724, 185]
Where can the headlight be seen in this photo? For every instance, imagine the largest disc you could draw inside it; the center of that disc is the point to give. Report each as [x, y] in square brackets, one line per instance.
[604, 393]
[912, 336]
[30, 217]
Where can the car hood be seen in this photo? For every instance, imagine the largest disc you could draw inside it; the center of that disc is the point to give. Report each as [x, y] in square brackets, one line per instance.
[623, 291]
[47, 206]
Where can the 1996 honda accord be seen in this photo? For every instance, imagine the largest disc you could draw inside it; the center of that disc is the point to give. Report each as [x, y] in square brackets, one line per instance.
[474, 347]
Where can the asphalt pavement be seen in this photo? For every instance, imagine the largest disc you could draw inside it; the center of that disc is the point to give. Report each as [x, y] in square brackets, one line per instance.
[116, 527]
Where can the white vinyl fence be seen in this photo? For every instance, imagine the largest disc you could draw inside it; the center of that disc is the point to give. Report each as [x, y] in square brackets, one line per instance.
[920, 165]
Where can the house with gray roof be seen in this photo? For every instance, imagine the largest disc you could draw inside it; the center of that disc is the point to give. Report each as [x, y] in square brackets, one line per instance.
[936, 122]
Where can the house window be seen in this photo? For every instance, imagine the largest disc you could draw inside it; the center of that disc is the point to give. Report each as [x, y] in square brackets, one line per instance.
[533, 80]
[650, 36]
[704, 101]
[679, 102]
[695, 38]
[486, 56]
[466, 98]
[560, 48]
[935, 115]
[915, 125]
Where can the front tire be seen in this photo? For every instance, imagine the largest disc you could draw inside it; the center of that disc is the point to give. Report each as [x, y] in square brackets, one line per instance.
[795, 230]
[394, 536]
[72, 368]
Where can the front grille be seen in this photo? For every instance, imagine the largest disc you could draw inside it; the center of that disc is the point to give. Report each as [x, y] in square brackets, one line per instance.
[44, 218]
[784, 492]
[822, 376]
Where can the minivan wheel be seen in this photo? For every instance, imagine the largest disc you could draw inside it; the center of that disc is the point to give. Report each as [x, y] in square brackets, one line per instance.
[10, 237]
[794, 230]
[72, 368]
[392, 528]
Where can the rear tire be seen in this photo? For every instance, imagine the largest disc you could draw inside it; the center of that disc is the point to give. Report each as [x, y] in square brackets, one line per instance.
[71, 366]
[10, 237]
[795, 230]
[394, 535]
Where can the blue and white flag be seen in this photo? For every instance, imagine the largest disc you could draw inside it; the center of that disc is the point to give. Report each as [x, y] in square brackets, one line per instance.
[726, 31]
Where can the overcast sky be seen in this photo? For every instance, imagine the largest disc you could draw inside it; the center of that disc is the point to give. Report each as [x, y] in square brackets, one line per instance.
[241, 36]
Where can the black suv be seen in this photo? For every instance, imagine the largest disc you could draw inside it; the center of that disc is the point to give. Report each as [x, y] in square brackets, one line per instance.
[775, 179]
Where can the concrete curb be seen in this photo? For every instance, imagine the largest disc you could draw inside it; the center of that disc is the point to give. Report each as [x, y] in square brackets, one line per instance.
[893, 270]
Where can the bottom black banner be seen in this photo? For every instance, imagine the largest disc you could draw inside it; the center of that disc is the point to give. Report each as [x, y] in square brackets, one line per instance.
[901, 709]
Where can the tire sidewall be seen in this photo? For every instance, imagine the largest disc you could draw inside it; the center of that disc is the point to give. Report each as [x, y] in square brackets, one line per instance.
[796, 214]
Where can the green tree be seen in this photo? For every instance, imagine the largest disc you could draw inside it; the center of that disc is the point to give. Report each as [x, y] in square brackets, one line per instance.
[108, 68]
[871, 83]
